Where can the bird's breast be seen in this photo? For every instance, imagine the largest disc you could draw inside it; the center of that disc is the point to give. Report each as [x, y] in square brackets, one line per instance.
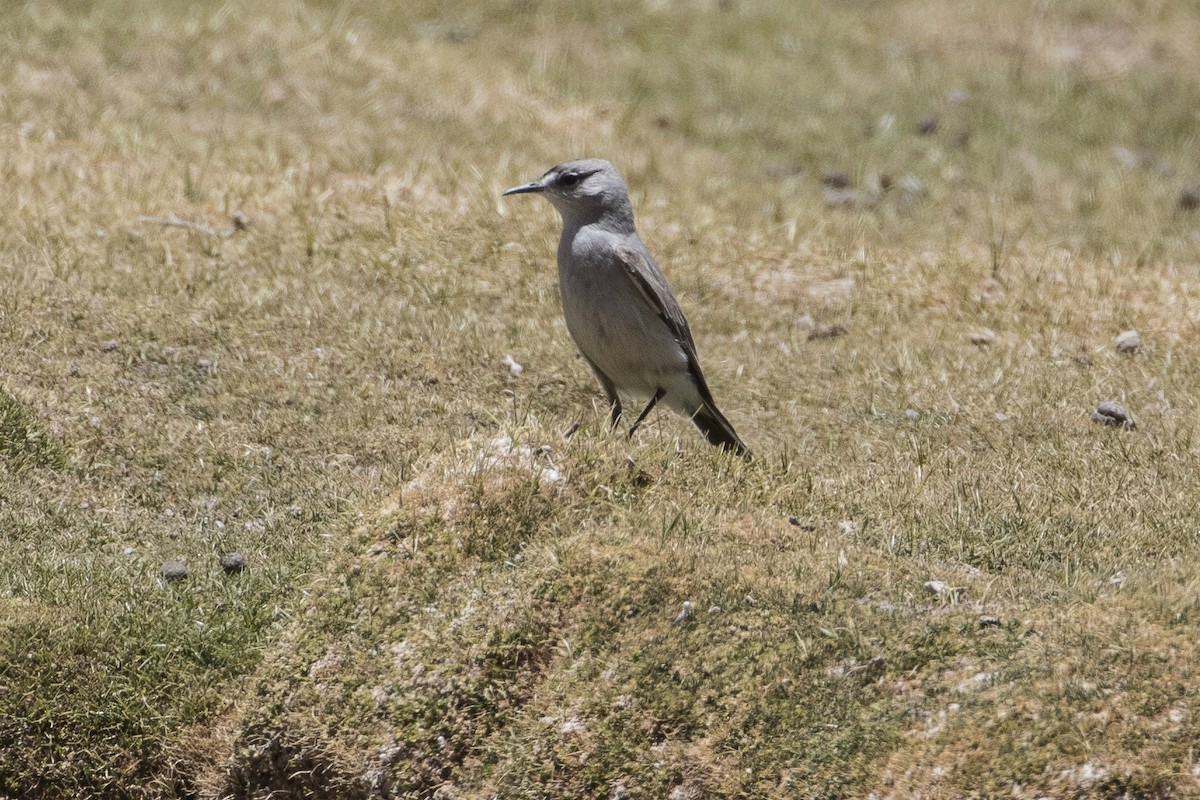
[609, 318]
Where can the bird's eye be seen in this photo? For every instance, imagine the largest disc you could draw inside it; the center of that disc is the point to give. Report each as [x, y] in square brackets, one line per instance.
[569, 179]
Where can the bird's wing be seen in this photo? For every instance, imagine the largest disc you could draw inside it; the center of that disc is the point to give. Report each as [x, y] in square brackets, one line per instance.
[651, 284]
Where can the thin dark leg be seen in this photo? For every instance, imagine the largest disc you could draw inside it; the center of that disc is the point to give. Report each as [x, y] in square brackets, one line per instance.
[610, 391]
[658, 395]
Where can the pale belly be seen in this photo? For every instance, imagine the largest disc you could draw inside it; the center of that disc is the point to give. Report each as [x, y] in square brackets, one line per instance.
[613, 326]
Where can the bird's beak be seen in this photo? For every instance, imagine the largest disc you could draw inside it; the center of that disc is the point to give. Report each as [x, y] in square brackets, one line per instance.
[532, 186]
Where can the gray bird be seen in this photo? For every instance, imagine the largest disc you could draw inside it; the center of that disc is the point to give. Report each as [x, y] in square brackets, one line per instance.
[618, 306]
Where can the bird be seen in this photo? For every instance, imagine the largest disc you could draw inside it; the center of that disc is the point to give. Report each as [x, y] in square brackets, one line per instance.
[618, 305]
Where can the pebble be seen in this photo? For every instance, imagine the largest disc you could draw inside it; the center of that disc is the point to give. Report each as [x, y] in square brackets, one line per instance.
[1129, 342]
[988, 621]
[110, 346]
[174, 570]
[839, 198]
[913, 189]
[1126, 157]
[927, 124]
[836, 178]
[572, 727]
[233, 563]
[240, 220]
[827, 332]
[684, 613]
[1110, 412]
[983, 337]
[912, 413]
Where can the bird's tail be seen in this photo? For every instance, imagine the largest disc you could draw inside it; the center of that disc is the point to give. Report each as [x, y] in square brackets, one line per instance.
[718, 431]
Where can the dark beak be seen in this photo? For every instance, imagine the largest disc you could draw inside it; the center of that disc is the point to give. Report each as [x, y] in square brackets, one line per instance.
[532, 186]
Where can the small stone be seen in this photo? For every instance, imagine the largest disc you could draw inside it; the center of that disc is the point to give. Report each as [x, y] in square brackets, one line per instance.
[233, 563]
[1110, 412]
[987, 621]
[515, 368]
[885, 181]
[801, 524]
[205, 364]
[827, 332]
[836, 178]
[839, 198]
[937, 587]
[1000, 416]
[927, 124]
[1129, 342]
[913, 188]
[912, 413]
[390, 752]
[984, 337]
[1189, 198]
[619, 792]
[73, 370]
[684, 613]
[174, 570]
[240, 221]
[110, 346]
[571, 430]
[1126, 157]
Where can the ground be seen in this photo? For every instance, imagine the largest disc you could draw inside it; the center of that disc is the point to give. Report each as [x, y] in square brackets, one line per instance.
[261, 295]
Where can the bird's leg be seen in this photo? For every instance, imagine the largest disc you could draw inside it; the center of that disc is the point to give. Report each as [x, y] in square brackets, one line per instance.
[610, 391]
[658, 395]
[614, 412]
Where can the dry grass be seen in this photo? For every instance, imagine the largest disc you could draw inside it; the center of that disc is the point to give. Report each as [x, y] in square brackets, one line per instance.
[436, 607]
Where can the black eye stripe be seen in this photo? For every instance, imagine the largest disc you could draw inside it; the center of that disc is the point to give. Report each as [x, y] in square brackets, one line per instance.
[572, 178]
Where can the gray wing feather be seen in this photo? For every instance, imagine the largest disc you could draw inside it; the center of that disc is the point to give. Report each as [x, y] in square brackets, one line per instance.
[652, 285]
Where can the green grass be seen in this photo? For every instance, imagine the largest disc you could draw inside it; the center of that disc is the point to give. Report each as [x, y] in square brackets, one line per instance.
[429, 612]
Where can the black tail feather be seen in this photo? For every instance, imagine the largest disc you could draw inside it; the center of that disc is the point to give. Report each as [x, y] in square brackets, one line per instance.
[718, 431]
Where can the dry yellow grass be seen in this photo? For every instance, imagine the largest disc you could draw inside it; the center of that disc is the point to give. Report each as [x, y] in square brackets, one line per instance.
[434, 606]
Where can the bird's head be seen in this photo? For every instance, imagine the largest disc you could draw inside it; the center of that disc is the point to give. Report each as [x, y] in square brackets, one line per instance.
[583, 190]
